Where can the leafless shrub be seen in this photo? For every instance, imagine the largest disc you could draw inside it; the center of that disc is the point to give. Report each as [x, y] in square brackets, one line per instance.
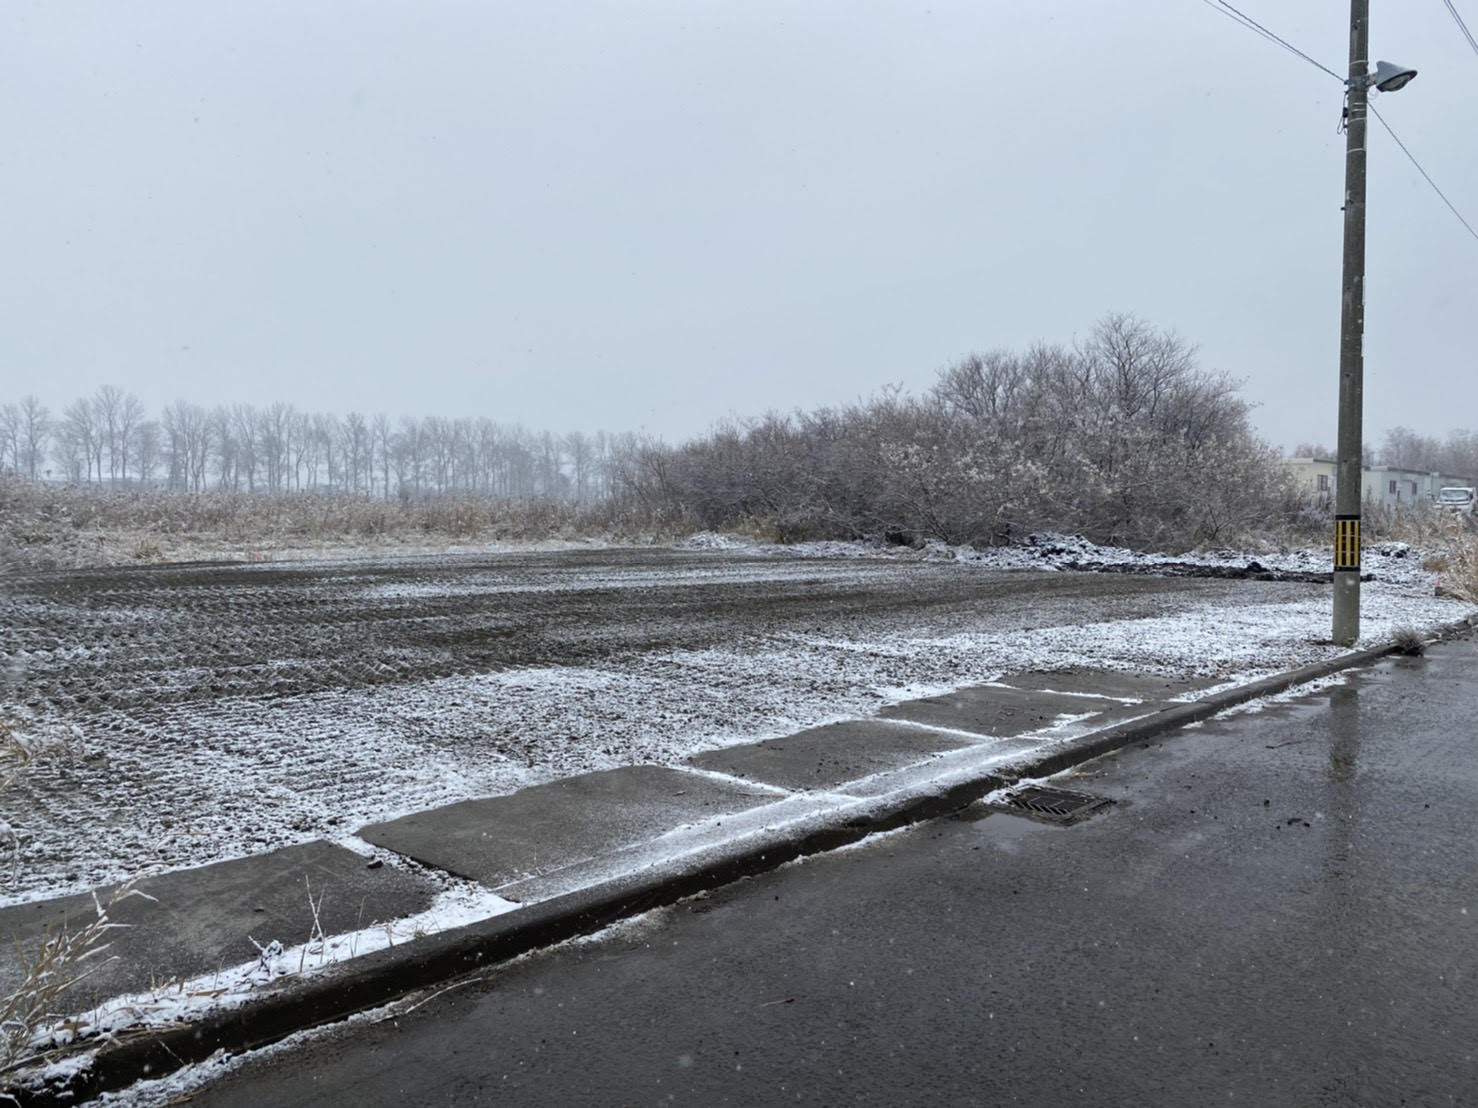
[1122, 438]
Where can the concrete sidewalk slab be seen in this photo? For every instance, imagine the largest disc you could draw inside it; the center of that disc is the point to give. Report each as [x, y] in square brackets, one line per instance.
[824, 757]
[206, 918]
[538, 830]
[1107, 682]
[679, 849]
[999, 712]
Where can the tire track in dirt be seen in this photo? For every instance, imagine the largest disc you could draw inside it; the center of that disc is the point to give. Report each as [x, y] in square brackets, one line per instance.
[221, 710]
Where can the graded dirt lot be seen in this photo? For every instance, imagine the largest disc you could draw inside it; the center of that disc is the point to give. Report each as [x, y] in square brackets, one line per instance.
[217, 710]
[142, 641]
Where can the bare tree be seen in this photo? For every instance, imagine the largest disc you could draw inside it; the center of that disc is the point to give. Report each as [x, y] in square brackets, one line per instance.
[327, 436]
[551, 473]
[410, 455]
[244, 433]
[303, 448]
[356, 451]
[485, 438]
[129, 415]
[71, 452]
[382, 442]
[226, 449]
[35, 434]
[80, 425]
[146, 451]
[107, 408]
[274, 436]
[439, 437]
[187, 436]
[1312, 450]
[10, 438]
[581, 453]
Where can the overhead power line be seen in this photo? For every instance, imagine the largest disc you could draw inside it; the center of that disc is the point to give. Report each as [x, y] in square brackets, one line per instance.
[1461, 26]
[1423, 172]
[1251, 24]
[1245, 20]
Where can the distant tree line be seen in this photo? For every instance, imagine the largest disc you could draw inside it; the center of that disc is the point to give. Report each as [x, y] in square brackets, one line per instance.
[1122, 437]
[108, 439]
[1456, 454]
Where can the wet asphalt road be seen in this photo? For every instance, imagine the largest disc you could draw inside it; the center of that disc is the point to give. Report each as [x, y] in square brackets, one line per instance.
[1281, 909]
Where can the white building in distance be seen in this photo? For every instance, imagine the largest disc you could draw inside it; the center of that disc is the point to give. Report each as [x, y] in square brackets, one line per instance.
[1388, 486]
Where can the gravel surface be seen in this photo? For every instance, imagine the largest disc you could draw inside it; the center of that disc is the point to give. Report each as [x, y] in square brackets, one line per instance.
[213, 711]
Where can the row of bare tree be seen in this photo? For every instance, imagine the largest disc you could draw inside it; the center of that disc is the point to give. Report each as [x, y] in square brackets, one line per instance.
[1122, 438]
[1456, 454]
[1404, 448]
[108, 439]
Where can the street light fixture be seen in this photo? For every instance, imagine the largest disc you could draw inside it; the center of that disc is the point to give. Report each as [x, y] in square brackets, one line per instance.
[1389, 77]
[1386, 78]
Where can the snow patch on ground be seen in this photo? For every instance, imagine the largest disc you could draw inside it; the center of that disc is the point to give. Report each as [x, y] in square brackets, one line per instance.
[709, 540]
[241, 774]
[1392, 562]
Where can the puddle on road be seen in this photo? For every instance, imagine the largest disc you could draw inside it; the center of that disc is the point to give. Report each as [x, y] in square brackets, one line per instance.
[1005, 832]
[1000, 830]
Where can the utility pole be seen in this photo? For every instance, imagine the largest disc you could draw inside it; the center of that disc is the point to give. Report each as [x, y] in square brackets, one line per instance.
[1351, 340]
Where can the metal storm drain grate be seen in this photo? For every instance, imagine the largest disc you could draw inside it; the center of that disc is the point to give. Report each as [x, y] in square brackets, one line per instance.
[1052, 805]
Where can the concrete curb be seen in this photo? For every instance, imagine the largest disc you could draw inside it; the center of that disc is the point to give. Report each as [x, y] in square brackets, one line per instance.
[1103, 742]
[376, 979]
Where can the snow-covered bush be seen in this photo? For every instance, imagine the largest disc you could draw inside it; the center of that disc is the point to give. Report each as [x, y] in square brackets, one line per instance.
[1122, 438]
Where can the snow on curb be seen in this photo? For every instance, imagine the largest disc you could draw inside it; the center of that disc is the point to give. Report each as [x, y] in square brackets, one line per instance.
[276, 965]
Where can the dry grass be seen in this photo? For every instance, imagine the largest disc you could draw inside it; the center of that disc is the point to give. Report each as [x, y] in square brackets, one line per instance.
[1448, 543]
[54, 526]
[1452, 546]
[1409, 641]
[22, 742]
[32, 1017]
[1460, 577]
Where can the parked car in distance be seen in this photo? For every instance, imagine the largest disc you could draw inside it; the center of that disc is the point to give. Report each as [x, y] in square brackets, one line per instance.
[1456, 498]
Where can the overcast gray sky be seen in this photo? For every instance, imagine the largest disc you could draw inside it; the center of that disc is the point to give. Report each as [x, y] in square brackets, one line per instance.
[652, 215]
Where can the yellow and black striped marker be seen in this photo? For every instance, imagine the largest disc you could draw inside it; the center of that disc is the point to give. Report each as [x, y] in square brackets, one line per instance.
[1346, 543]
